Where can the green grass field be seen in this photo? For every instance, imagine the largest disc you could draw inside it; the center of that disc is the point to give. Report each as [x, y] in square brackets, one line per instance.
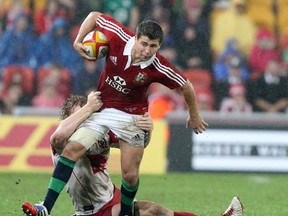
[202, 193]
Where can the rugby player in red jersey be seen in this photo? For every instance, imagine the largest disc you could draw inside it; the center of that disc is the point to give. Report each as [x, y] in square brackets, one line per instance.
[131, 65]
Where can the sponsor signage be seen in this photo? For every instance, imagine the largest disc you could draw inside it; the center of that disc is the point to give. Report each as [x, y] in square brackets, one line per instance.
[255, 142]
[240, 150]
[25, 146]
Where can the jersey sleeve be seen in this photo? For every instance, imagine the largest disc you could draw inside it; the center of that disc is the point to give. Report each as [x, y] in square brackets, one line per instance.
[168, 74]
[112, 28]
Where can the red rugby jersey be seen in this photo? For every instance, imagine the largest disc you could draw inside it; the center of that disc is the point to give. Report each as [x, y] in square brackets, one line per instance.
[124, 86]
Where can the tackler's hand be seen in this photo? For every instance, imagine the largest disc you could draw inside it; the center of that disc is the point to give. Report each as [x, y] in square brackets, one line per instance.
[145, 122]
[94, 100]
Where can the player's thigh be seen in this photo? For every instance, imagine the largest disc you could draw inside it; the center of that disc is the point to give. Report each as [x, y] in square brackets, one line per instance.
[86, 137]
[146, 208]
[115, 210]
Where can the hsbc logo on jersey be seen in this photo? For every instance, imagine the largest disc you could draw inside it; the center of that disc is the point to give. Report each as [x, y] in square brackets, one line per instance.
[119, 80]
[117, 83]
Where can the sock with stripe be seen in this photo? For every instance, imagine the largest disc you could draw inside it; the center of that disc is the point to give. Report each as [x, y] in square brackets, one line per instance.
[184, 214]
[128, 194]
[59, 179]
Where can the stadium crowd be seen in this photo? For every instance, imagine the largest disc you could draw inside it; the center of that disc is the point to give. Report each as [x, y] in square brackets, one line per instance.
[235, 52]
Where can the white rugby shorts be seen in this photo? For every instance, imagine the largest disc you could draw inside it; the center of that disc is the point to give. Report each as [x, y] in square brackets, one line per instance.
[120, 123]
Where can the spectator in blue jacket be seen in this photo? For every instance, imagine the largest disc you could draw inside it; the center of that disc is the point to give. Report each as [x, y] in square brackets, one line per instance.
[55, 47]
[230, 53]
[17, 43]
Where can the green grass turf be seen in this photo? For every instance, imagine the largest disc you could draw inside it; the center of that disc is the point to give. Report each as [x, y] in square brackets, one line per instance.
[207, 194]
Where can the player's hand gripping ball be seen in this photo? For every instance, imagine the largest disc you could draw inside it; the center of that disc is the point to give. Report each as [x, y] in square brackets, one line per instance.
[96, 44]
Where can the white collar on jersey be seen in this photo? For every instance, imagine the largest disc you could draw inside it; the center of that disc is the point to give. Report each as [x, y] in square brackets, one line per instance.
[127, 52]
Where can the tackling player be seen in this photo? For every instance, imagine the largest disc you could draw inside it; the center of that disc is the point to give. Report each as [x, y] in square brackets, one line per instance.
[90, 187]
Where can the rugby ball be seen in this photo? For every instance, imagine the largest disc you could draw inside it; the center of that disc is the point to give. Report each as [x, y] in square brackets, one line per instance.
[96, 44]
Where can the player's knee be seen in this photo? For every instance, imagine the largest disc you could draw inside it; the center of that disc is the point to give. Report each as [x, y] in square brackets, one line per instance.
[73, 151]
[130, 177]
[58, 145]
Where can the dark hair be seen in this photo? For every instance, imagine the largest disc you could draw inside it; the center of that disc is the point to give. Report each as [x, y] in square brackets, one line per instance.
[67, 105]
[151, 29]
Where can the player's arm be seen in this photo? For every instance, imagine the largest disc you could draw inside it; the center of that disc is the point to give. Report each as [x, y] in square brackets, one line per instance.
[194, 120]
[88, 25]
[67, 127]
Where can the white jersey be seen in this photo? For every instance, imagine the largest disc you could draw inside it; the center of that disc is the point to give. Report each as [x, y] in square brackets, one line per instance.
[90, 186]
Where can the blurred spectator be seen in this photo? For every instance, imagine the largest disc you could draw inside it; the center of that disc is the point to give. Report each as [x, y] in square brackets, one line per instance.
[156, 9]
[270, 91]
[79, 15]
[284, 45]
[48, 95]
[237, 101]
[233, 23]
[44, 17]
[67, 9]
[13, 96]
[191, 29]
[9, 99]
[269, 14]
[27, 6]
[56, 47]
[168, 37]
[170, 53]
[21, 75]
[162, 16]
[219, 6]
[86, 7]
[158, 12]
[17, 43]
[126, 12]
[162, 101]
[263, 50]
[205, 100]
[231, 56]
[190, 15]
[234, 76]
[17, 88]
[190, 47]
[87, 78]
[11, 10]
[58, 75]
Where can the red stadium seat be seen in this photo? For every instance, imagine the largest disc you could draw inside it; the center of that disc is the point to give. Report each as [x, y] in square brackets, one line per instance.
[64, 84]
[26, 73]
[201, 79]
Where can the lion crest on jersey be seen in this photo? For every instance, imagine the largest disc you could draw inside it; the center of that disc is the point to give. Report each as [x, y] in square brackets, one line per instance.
[140, 78]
